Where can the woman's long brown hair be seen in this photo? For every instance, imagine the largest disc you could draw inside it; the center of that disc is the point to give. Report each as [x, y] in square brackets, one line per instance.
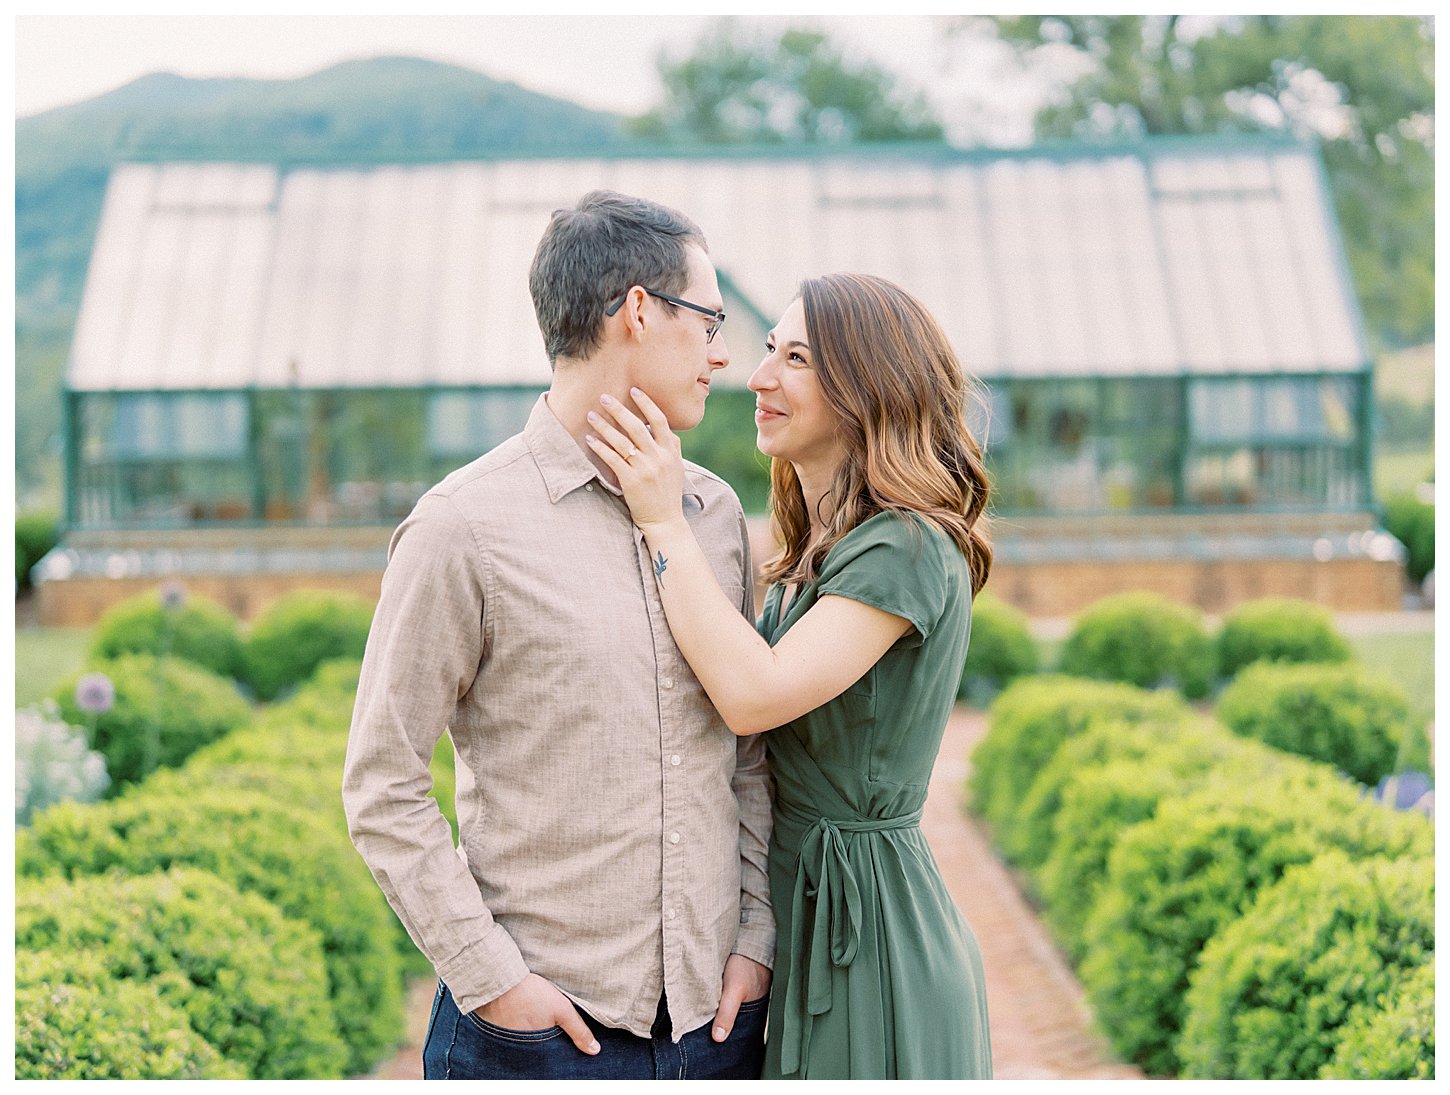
[900, 394]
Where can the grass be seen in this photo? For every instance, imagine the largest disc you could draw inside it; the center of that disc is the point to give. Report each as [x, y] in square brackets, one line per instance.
[1406, 658]
[1401, 472]
[44, 656]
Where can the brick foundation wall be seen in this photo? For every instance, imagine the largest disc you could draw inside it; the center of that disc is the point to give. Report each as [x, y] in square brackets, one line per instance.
[1061, 586]
[80, 602]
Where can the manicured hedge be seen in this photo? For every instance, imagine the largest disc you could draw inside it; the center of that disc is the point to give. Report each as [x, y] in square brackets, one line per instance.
[193, 628]
[164, 710]
[262, 845]
[315, 789]
[1279, 629]
[104, 1030]
[1111, 778]
[35, 535]
[1001, 650]
[1277, 990]
[1029, 721]
[250, 981]
[1343, 715]
[1392, 1038]
[1412, 522]
[301, 631]
[1178, 878]
[1142, 639]
[296, 749]
[1105, 741]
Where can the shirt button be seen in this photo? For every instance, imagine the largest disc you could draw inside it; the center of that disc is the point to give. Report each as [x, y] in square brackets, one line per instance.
[675, 759]
[670, 913]
[669, 682]
[588, 486]
[674, 838]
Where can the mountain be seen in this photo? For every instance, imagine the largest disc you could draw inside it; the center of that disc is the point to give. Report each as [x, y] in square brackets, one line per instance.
[379, 110]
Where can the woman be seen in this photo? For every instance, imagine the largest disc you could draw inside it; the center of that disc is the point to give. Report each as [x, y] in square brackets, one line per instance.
[877, 492]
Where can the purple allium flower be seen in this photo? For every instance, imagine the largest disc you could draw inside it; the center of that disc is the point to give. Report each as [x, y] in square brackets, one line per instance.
[173, 596]
[1404, 790]
[95, 694]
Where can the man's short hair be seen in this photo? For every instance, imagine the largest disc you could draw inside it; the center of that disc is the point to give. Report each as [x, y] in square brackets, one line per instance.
[592, 254]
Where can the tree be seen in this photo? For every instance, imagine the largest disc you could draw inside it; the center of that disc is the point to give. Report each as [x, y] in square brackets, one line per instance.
[743, 87]
[1363, 86]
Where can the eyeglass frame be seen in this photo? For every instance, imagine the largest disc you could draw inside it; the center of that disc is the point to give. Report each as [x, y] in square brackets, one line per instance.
[710, 331]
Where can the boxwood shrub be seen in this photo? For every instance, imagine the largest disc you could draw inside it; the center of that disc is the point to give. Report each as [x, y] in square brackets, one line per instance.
[309, 730]
[1412, 522]
[198, 630]
[1343, 715]
[1176, 879]
[1279, 629]
[1275, 990]
[301, 631]
[164, 710]
[35, 535]
[251, 982]
[1393, 1038]
[1026, 725]
[1111, 780]
[296, 748]
[315, 790]
[262, 845]
[1106, 741]
[72, 1023]
[337, 677]
[1142, 639]
[1001, 650]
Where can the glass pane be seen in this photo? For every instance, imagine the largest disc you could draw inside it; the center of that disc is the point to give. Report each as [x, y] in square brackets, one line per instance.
[1303, 409]
[154, 426]
[162, 460]
[1084, 446]
[463, 425]
[342, 457]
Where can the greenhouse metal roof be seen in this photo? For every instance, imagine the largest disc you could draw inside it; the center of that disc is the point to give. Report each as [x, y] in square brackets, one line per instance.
[1160, 258]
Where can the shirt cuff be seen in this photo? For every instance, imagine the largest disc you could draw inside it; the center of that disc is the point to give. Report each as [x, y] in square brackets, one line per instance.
[757, 944]
[484, 971]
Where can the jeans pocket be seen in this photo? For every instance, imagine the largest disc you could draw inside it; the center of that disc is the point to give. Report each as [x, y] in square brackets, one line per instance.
[524, 1036]
[755, 1005]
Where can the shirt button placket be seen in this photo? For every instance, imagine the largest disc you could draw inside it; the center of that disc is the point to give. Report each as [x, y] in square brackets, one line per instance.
[667, 659]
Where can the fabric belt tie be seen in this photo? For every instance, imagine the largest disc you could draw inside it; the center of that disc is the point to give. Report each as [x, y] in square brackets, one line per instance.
[834, 916]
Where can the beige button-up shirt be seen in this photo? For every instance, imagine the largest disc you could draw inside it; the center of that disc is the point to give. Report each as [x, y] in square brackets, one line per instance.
[612, 829]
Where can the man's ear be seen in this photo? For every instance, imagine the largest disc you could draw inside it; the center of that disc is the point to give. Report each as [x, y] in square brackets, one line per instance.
[632, 313]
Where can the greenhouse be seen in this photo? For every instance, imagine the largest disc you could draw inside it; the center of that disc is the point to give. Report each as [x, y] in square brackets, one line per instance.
[1163, 329]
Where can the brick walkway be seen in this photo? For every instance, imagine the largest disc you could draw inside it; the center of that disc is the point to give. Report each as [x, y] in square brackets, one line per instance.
[1041, 1025]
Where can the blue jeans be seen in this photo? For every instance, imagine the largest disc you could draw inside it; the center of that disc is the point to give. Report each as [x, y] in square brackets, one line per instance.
[461, 1046]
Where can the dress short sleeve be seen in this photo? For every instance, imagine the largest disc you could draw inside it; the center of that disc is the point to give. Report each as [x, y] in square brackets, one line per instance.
[897, 563]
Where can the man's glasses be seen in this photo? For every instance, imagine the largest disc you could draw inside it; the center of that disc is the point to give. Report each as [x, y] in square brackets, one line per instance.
[718, 316]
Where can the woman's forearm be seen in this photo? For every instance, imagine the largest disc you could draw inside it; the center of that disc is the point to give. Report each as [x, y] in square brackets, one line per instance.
[755, 686]
[737, 668]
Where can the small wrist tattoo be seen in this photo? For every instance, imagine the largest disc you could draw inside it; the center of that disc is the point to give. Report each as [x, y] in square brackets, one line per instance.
[661, 565]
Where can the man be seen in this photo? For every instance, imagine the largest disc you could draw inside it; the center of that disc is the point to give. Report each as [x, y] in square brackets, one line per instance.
[607, 912]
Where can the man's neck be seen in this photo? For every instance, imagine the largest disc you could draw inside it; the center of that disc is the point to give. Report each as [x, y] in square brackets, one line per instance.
[575, 392]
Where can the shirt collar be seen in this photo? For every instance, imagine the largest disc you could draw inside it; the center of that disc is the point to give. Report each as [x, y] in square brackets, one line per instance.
[565, 468]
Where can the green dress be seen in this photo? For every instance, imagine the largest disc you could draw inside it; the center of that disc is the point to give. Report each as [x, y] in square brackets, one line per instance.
[877, 975]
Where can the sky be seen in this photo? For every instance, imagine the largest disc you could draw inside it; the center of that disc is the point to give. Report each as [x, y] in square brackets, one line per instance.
[606, 62]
